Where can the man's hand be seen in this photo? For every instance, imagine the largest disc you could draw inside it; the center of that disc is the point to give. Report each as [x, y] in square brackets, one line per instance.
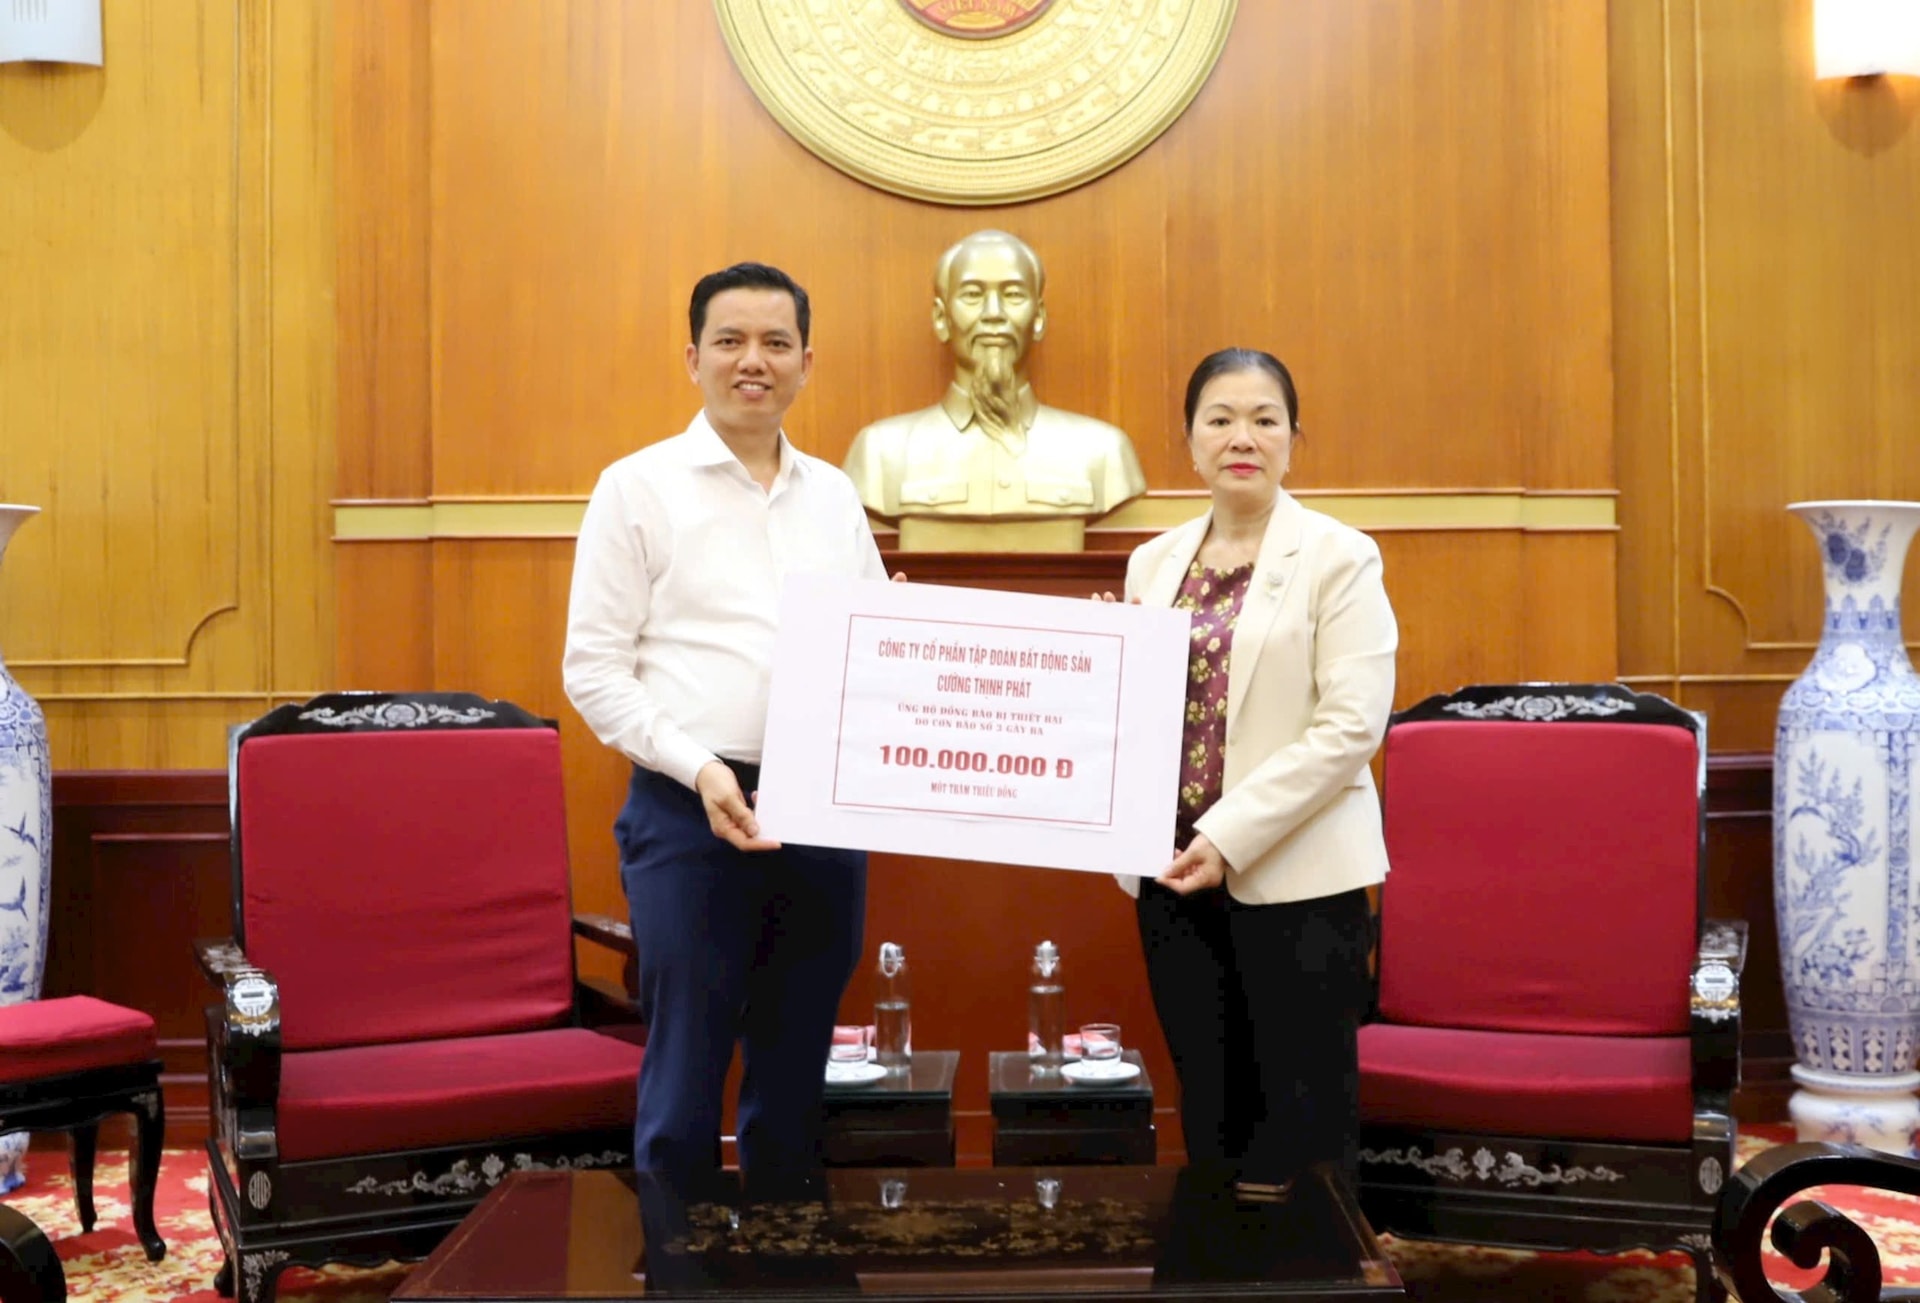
[728, 813]
[1196, 868]
[1109, 597]
[899, 576]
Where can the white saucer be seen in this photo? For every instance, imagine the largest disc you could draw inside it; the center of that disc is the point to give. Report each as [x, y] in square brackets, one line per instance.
[1096, 1072]
[854, 1074]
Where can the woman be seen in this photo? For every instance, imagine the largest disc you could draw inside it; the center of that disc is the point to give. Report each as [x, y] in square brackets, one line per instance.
[1256, 936]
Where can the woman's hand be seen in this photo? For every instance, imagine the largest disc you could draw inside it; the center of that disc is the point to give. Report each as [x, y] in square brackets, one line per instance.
[1196, 868]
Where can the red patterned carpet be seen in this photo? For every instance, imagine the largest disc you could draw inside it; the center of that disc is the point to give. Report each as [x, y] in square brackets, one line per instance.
[108, 1266]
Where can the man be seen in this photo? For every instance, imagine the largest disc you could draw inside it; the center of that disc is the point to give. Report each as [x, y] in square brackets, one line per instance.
[989, 450]
[668, 656]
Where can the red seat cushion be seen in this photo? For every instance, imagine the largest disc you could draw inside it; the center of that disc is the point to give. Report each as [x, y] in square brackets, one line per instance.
[375, 1098]
[1545, 876]
[50, 1038]
[1619, 1088]
[405, 886]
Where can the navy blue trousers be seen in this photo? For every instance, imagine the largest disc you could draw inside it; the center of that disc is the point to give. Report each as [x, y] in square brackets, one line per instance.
[733, 947]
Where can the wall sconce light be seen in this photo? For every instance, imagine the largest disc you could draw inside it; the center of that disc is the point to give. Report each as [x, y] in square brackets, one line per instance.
[1865, 38]
[50, 31]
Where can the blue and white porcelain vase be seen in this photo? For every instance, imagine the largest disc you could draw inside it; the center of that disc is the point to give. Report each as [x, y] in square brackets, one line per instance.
[26, 851]
[1844, 889]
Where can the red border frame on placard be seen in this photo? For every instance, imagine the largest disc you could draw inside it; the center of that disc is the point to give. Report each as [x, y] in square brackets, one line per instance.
[1113, 768]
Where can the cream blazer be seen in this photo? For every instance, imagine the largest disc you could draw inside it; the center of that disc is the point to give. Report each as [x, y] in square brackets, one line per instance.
[1309, 689]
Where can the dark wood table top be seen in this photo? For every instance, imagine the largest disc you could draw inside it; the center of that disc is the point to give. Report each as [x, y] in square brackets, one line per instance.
[1092, 1234]
[928, 1076]
[1013, 1076]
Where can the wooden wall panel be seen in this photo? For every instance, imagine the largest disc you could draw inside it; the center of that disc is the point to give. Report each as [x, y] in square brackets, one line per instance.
[124, 414]
[297, 360]
[500, 613]
[385, 630]
[1740, 710]
[1808, 387]
[1429, 248]
[140, 870]
[1571, 640]
[167, 384]
[174, 733]
[1767, 308]
[381, 88]
[1455, 596]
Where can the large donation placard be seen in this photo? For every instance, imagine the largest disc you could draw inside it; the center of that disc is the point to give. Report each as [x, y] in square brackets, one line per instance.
[975, 725]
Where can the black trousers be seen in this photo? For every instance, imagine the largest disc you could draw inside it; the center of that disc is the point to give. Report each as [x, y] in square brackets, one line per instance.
[1261, 1007]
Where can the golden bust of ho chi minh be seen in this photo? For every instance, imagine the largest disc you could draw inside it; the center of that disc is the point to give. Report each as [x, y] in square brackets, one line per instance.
[989, 450]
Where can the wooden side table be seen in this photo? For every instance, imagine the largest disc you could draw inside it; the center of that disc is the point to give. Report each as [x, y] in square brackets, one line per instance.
[903, 1120]
[1042, 1119]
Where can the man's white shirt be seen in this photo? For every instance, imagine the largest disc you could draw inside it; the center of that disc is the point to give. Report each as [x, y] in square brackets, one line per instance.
[676, 588]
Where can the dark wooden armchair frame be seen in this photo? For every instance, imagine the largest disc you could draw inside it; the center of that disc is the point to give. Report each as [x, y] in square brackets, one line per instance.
[1533, 1192]
[77, 1103]
[367, 1209]
[30, 1271]
[1809, 1228]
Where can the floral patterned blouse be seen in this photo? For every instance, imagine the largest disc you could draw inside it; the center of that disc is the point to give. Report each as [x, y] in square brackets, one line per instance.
[1212, 598]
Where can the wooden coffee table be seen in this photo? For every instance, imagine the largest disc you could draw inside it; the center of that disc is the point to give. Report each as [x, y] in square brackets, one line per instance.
[1041, 1117]
[903, 1120]
[1099, 1233]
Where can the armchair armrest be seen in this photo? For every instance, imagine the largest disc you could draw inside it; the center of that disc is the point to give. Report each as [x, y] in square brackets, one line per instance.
[1808, 1228]
[1725, 939]
[600, 1002]
[604, 929]
[219, 956]
[245, 1042]
[1714, 996]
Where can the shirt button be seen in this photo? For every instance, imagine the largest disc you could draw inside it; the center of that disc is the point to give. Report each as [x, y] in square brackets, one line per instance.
[1006, 481]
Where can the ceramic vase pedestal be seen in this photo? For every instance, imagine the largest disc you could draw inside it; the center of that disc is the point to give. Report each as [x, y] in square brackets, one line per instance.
[1845, 896]
[26, 854]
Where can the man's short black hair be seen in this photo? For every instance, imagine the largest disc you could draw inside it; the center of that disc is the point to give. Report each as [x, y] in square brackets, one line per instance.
[747, 276]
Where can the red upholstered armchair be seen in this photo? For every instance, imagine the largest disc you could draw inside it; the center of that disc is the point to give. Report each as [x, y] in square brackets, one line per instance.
[1556, 1035]
[401, 1023]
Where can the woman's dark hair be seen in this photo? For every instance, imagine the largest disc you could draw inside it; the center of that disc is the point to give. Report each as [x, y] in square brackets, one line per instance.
[1230, 360]
[748, 276]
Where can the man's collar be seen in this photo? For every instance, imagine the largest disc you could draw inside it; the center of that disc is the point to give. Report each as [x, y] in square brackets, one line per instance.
[958, 405]
[705, 447]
